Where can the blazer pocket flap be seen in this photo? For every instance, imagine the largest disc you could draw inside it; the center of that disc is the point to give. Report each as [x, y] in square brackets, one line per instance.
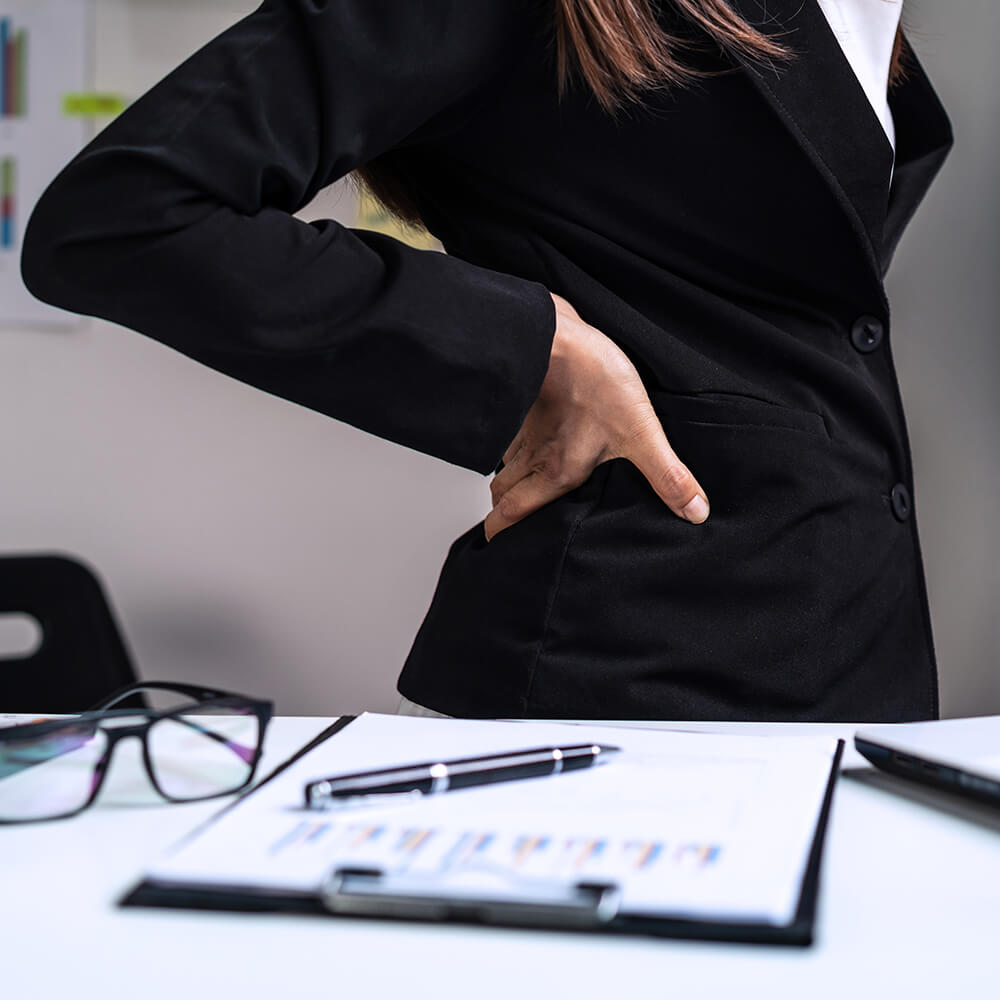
[731, 409]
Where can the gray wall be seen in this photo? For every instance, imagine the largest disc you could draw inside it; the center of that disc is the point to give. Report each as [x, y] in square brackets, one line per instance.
[945, 297]
[251, 543]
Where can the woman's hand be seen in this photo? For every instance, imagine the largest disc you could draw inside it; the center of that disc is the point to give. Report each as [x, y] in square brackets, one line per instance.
[592, 407]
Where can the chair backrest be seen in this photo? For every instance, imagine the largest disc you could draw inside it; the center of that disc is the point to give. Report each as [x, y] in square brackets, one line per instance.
[81, 657]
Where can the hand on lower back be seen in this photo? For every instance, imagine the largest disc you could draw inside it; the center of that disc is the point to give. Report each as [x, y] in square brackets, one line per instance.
[592, 407]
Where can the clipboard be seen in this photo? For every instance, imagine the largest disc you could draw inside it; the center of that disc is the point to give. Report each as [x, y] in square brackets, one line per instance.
[586, 905]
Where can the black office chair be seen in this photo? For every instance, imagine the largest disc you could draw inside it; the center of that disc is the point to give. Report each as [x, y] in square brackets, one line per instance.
[81, 657]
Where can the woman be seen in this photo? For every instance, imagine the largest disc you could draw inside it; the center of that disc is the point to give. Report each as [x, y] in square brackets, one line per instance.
[661, 318]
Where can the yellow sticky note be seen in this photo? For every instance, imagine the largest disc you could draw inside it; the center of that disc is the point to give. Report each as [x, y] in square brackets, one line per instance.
[92, 104]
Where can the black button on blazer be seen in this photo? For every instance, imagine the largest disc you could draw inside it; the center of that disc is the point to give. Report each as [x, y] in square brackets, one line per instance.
[732, 237]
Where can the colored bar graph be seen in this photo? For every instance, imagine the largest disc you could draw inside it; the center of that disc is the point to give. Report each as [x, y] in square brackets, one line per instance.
[699, 855]
[21, 77]
[4, 50]
[591, 849]
[8, 177]
[13, 70]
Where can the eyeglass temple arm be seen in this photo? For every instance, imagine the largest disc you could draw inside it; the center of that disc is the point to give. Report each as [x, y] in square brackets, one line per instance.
[192, 690]
[245, 753]
[13, 763]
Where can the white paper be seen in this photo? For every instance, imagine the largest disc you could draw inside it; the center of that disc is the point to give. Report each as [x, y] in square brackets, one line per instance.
[687, 824]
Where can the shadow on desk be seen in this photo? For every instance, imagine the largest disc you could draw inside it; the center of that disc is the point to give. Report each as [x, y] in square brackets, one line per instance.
[974, 812]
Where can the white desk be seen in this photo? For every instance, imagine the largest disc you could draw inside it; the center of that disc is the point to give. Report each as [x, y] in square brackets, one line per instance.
[909, 907]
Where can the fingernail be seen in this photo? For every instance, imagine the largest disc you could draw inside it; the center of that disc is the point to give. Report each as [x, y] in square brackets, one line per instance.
[697, 510]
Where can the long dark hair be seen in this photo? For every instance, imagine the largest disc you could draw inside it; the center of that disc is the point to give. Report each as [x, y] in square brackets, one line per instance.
[621, 50]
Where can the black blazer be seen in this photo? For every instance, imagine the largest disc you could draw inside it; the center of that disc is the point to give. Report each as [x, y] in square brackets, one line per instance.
[732, 237]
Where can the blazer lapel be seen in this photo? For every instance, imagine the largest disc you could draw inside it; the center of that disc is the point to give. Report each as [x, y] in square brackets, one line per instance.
[923, 139]
[818, 96]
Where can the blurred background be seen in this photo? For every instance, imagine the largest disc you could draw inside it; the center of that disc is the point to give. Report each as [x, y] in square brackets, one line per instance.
[252, 544]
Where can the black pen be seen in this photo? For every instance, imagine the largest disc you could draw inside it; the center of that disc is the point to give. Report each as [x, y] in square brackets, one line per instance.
[434, 777]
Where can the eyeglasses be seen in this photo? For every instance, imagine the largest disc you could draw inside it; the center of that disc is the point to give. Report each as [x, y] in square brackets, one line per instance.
[207, 745]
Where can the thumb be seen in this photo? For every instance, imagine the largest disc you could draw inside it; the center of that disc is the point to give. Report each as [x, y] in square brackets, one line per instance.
[650, 451]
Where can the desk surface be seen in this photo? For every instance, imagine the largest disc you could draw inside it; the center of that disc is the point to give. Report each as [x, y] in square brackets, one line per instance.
[909, 907]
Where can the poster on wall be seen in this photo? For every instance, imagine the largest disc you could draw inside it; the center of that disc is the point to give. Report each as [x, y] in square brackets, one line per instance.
[44, 58]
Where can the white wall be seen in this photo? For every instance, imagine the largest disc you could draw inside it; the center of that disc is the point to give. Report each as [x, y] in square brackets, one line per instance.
[227, 523]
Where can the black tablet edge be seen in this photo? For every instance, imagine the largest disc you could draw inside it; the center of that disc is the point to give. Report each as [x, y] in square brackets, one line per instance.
[928, 773]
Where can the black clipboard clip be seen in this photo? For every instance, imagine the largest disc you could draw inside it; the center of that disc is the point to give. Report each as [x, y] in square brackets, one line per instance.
[470, 897]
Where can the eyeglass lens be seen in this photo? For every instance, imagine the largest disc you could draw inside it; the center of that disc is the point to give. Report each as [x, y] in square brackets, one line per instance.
[51, 774]
[203, 752]
[196, 753]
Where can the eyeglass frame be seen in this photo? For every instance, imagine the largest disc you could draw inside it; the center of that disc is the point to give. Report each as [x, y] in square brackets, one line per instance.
[262, 709]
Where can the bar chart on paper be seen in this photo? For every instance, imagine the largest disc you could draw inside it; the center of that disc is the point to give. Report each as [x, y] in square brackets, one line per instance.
[401, 848]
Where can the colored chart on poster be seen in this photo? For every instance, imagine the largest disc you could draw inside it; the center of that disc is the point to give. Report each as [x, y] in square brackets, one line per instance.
[8, 201]
[44, 55]
[13, 69]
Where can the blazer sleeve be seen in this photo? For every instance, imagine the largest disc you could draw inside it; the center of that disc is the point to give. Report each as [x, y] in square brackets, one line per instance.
[176, 221]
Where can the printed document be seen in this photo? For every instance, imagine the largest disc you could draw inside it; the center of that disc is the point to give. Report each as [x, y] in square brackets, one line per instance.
[686, 824]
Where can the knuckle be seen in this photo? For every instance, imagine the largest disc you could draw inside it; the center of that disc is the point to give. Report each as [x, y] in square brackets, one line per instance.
[551, 468]
[516, 447]
[641, 425]
[511, 508]
[571, 479]
[563, 476]
[560, 470]
[677, 481]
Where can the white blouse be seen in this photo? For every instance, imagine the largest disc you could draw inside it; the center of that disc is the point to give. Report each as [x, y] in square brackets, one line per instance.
[866, 30]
